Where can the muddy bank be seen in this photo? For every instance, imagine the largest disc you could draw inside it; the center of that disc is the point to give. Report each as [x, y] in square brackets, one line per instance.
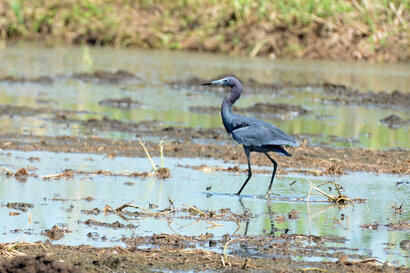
[14, 110]
[334, 93]
[394, 121]
[319, 160]
[37, 80]
[123, 103]
[250, 85]
[401, 225]
[38, 263]
[175, 252]
[345, 95]
[282, 110]
[106, 77]
[98, 76]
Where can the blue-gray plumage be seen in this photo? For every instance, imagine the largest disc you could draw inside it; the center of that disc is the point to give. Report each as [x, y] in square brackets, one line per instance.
[255, 135]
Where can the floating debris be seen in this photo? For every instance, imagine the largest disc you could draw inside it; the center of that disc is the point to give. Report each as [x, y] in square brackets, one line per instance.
[56, 233]
[20, 206]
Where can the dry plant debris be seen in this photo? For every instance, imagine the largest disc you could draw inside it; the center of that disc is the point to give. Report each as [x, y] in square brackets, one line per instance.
[337, 199]
[401, 225]
[9, 249]
[56, 233]
[19, 206]
[171, 212]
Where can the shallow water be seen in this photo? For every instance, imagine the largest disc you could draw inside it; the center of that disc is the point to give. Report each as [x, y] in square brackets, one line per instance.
[187, 186]
[336, 125]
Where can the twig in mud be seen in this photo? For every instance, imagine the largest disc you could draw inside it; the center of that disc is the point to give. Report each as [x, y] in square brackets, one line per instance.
[146, 152]
[66, 174]
[171, 203]
[191, 224]
[314, 268]
[236, 230]
[161, 149]
[146, 212]
[6, 171]
[194, 208]
[169, 221]
[213, 225]
[225, 255]
[120, 208]
[340, 199]
[236, 221]
[291, 184]
[368, 260]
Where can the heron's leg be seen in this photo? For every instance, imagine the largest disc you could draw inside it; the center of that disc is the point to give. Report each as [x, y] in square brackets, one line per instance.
[275, 166]
[248, 153]
[272, 223]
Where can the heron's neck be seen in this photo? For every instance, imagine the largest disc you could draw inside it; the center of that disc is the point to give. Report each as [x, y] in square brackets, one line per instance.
[226, 109]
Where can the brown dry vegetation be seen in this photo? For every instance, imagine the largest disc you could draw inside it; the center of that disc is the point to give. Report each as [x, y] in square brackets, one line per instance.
[360, 30]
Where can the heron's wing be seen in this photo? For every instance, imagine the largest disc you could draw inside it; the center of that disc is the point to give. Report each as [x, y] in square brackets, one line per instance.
[254, 132]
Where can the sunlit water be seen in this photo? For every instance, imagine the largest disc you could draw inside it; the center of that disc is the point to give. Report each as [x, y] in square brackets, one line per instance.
[357, 126]
[189, 187]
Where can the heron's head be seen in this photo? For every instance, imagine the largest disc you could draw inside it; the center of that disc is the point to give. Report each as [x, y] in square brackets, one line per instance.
[228, 81]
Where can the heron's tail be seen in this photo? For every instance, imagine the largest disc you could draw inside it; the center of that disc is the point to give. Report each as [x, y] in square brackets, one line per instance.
[280, 150]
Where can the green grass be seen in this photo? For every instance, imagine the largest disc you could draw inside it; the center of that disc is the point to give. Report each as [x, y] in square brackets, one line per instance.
[234, 26]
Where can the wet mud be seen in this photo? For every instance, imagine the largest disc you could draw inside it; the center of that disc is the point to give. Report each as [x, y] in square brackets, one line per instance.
[401, 225]
[334, 93]
[123, 103]
[104, 77]
[345, 95]
[56, 233]
[313, 160]
[394, 121]
[34, 80]
[26, 111]
[38, 263]
[276, 109]
[98, 76]
[175, 252]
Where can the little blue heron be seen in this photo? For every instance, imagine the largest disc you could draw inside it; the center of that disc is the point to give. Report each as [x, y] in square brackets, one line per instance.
[255, 135]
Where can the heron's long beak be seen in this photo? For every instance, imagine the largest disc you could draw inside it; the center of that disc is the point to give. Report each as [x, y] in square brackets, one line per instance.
[217, 82]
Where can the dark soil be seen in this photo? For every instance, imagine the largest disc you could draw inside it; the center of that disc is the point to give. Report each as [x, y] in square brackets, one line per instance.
[175, 252]
[36, 264]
